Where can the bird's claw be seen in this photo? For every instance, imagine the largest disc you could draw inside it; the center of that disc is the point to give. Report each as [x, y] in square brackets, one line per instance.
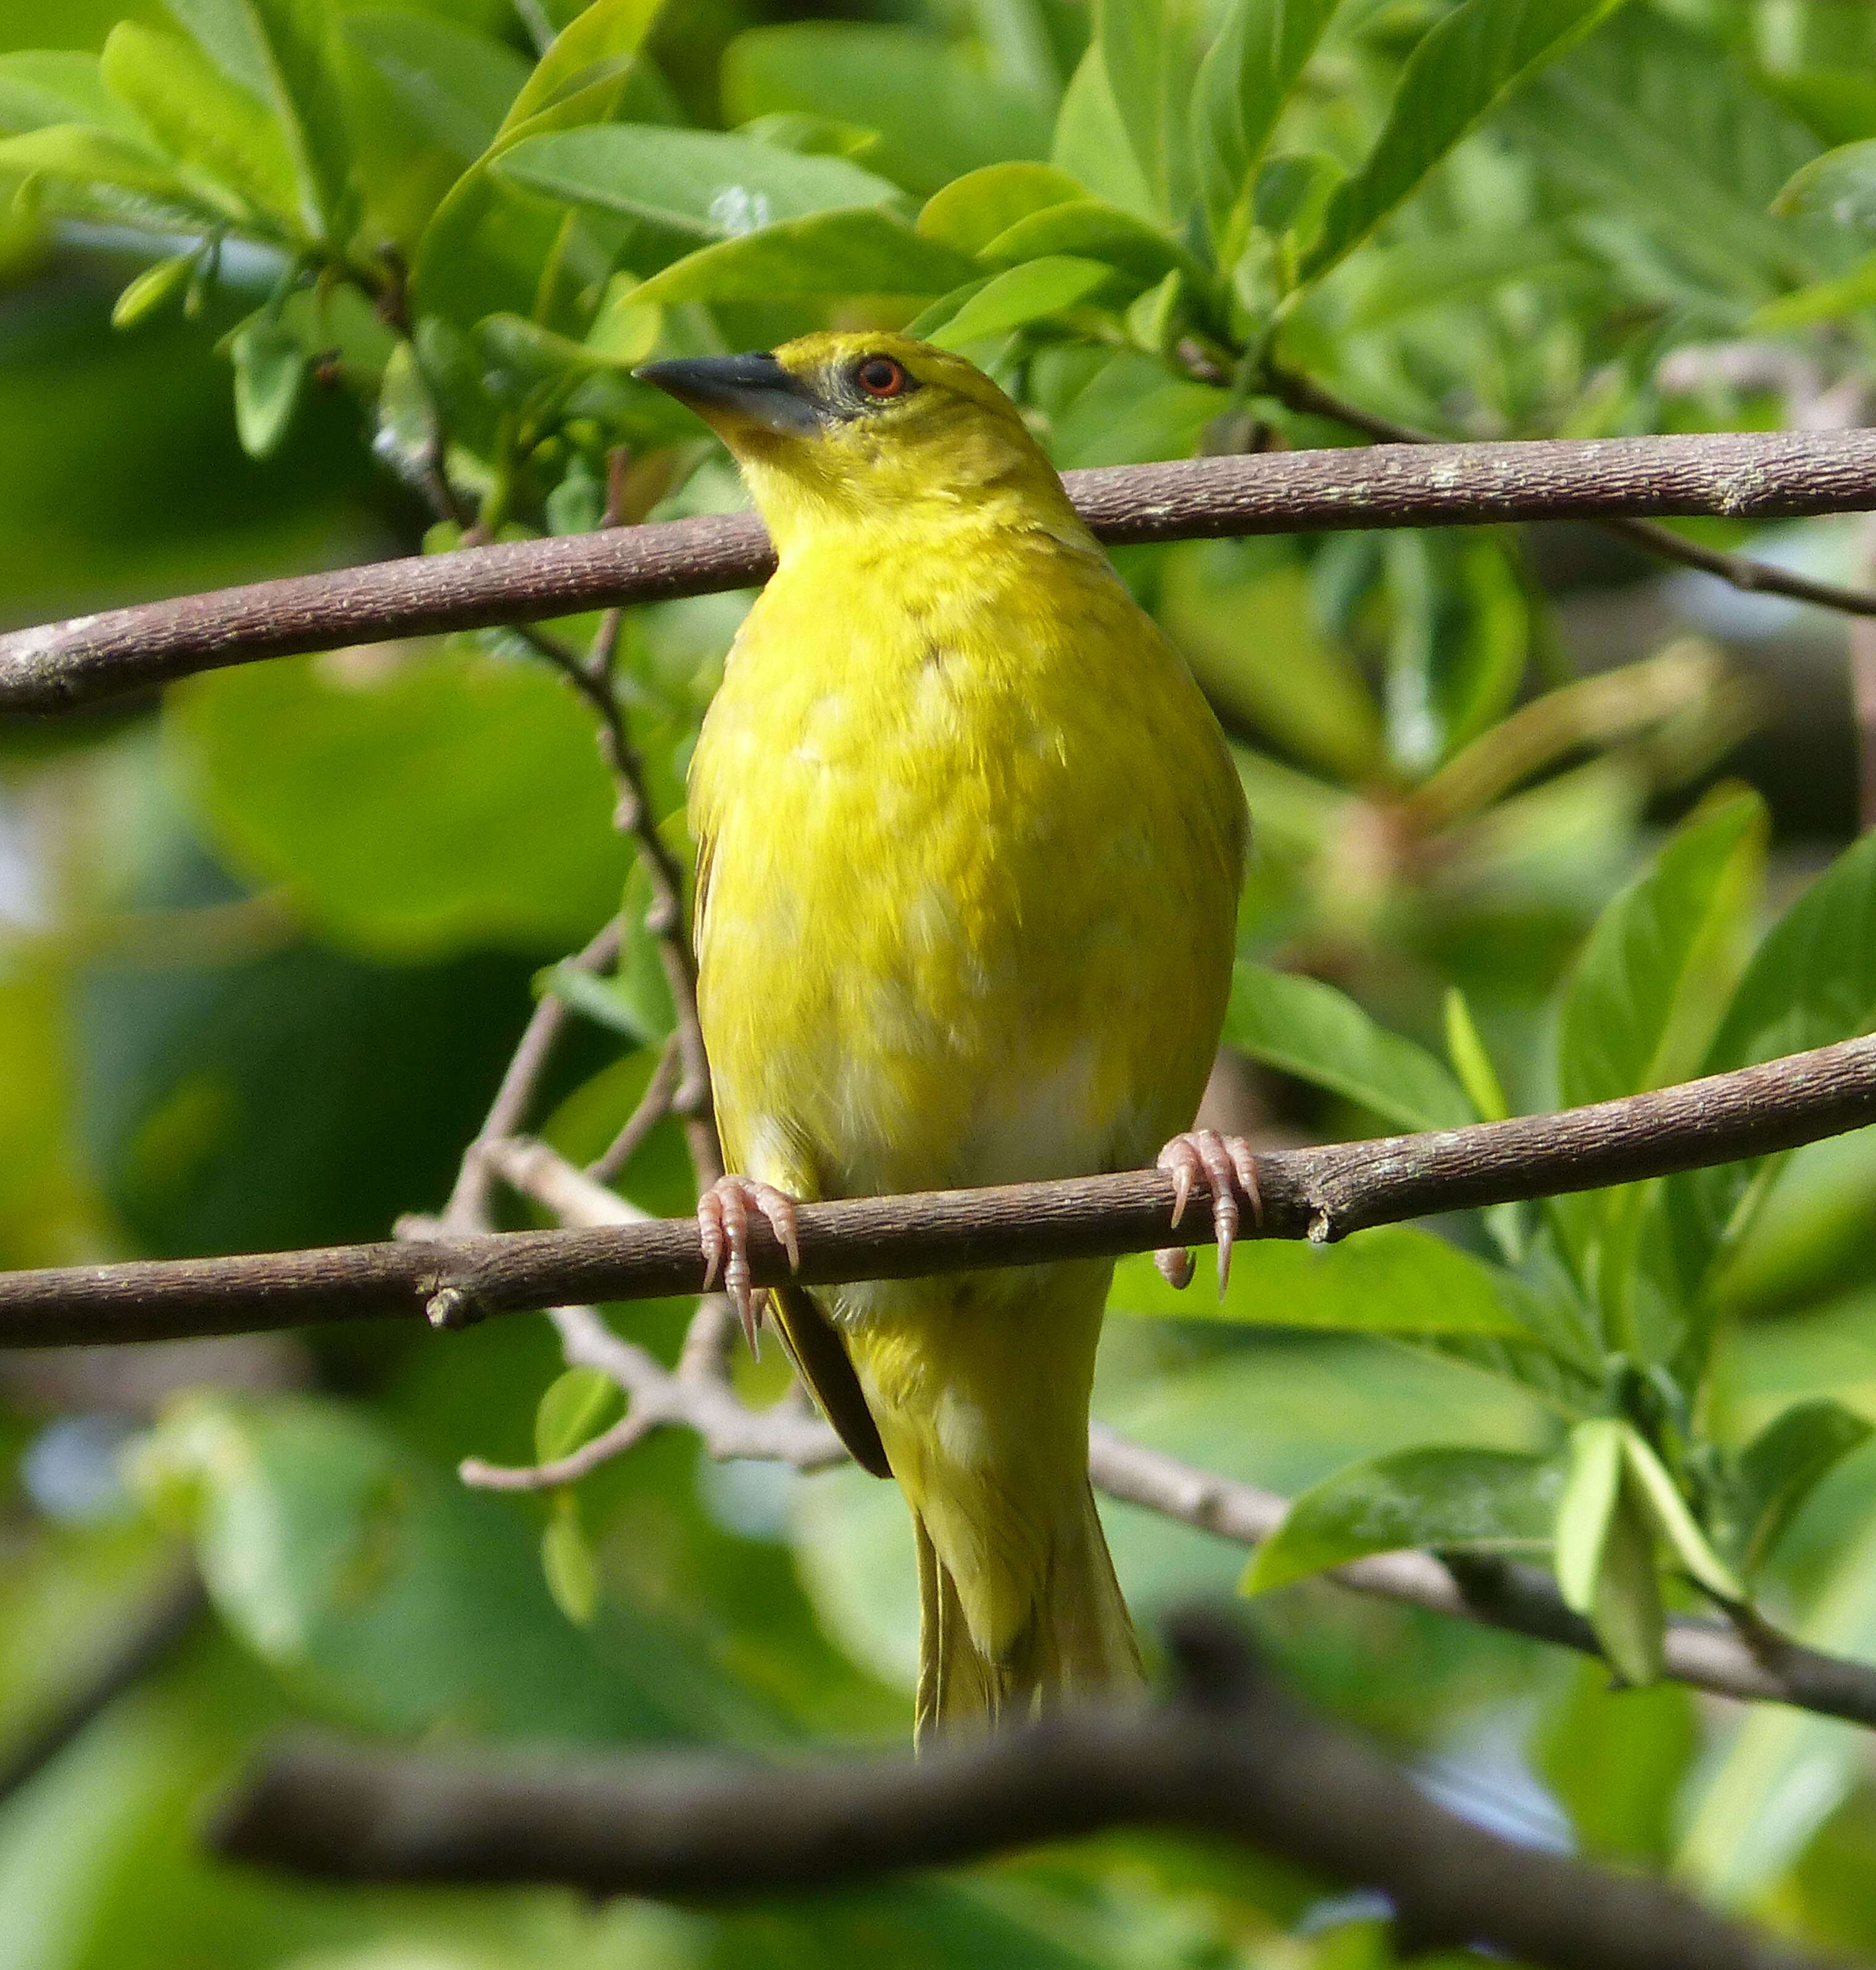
[1225, 1165]
[723, 1223]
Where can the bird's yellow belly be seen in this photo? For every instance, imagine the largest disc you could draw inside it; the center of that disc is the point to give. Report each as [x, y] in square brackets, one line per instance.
[942, 950]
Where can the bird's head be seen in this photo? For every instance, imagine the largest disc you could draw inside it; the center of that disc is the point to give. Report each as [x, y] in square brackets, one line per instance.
[836, 430]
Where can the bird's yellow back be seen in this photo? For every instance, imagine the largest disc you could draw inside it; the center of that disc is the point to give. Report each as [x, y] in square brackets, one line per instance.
[970, 846]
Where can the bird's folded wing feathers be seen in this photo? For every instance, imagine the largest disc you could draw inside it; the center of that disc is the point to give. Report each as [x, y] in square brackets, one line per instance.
[821, 1359]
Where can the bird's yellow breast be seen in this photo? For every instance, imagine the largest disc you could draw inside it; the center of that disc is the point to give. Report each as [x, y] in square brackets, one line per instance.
[971, 848]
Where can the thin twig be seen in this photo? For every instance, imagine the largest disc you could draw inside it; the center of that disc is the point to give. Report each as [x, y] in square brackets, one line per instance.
[1300, 393]
[468, 1207]
[1227, 1754]
[654, 1105]
[1774, 475]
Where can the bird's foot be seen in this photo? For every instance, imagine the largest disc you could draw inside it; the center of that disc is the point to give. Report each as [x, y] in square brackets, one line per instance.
[1201, 1158]
[722, 1219]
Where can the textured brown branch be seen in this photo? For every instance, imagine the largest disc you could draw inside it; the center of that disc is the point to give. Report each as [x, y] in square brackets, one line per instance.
[1740, 571]
[1321, 1194]
[1755, 475]
[1227, 1754]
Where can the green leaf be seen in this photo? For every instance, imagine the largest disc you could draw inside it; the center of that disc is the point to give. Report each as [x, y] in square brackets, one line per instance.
[1470, 1062]
[42, 87]
[1627, 1615]
[270, 372]
[1321, 1035]
[1091, 143]
[1641, 1011]
[1092, 229]
[1781, 1467]
[1785, 1771]
[385, 1594]
[937, 115]
[207, 123]
[567, 1561]
[409, 432]
[1658, 1491]
[572, 1407]
[484, 249]
[1812, 981]
[701, 182]
[1463, 66]
[1587, 1510]
[1615, 1759]
[1491, 1501]
[152, 290]
[283, 53]
[460, 85]
[91, 172]
[476, 811]
[1821, 300]
[971, 211]
[857, 251]
[1393, 1279]
[593, 51]
[1244, 83]
[1837, 106]
[1840, 186]
[1029, 293]
[1249, 629]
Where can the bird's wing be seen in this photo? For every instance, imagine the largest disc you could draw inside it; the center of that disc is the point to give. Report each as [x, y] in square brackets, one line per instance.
[822, 1360]
[819, 1354]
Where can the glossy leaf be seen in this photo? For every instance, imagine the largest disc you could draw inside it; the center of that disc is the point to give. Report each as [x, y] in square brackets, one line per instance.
[1782, 1466]
[1392, 1279]
[1491, 1501]
[701, 182]
[971, 211]
[1650, 987]
[1466, 62]
[592, 51]
[1093, 230]
[938, 116]
[1244, 81]
[1030, 292]
[1654, 1489]
[1091, 142]
[90, 172]
[857, 251]
[1321, 1035]
[1470, 1062]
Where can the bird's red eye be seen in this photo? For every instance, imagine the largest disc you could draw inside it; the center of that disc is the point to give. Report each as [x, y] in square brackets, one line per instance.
[880, 376]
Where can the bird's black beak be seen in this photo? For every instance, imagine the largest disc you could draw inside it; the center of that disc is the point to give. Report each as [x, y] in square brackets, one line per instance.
[731, 390]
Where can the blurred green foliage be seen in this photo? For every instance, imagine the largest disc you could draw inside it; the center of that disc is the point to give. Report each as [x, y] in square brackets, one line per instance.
[289, 283]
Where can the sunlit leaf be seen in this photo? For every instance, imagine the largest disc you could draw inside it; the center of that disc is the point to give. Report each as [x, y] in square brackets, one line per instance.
[1093, 230]
[971, 211]
[152, 290]
[1475, 1501]
[459, 84]
[567, 1561]
[1091, 143]
[1656, 1490]
[41, 87]
[574, 1407]
[270, 372]
[1616, 1758]
[1028, 292]
[856, 251]
[1587, 1508]
[702, 182]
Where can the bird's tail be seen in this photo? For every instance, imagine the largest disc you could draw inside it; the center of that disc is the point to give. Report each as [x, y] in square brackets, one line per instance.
[1078, 1638]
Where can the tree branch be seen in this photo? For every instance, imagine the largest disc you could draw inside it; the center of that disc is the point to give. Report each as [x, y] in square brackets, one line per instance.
[1227, 1753]
[1740, 571]
[1748, 475]
[1321, 1193]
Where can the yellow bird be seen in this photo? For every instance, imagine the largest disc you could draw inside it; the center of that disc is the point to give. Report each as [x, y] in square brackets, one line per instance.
[969, 849]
